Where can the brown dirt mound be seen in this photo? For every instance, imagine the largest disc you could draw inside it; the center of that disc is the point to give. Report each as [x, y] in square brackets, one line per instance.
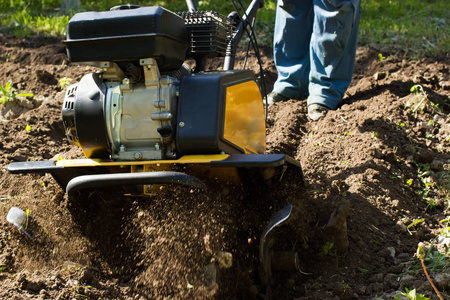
[360, 165]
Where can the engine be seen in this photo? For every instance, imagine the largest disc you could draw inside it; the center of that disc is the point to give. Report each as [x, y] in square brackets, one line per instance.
[146, 103]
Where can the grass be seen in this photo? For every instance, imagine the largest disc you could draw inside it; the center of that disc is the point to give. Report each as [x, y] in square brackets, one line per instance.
[24, 24]
[409, 27]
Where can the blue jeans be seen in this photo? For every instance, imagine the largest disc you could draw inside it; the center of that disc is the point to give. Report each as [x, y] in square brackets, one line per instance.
[315, 48]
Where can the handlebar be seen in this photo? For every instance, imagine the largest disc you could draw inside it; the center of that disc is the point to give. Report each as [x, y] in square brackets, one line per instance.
[192, 6]
[241, 28]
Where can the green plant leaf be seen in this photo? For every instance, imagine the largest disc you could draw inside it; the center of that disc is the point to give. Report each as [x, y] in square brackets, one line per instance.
[416, 222]
[414, 296]
[25, 95]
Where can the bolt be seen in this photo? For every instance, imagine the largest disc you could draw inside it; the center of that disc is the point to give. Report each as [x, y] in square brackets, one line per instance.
[181, 124]
[138, 155]
[126, 81]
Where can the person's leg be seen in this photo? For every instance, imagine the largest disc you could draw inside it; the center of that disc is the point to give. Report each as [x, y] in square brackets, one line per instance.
[333, 50]
[292, 34]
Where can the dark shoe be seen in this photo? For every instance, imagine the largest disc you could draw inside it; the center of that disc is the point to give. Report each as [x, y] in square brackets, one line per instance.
[317, 111]
[275, 97]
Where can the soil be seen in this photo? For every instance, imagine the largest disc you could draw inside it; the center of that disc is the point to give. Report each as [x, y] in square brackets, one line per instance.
[350, 220]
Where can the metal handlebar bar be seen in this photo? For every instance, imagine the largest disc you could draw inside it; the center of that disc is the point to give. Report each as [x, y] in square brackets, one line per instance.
[192, 6]
[241, 28]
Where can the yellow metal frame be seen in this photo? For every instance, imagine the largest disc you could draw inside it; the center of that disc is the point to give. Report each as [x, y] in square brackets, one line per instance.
[195, 165]
[187, 159]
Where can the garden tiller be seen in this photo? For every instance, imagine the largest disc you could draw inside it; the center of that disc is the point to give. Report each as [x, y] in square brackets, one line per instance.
[146, 118]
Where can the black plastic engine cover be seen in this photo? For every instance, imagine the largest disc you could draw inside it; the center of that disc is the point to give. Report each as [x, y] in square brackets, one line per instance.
[201, 111]
[127, 35]
[83, 116]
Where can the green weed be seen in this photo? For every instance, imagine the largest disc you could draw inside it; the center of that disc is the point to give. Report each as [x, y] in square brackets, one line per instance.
[420, 102]
[421, 255]
[411, 294]
[364, 271]
[434, 186]
[8, 93]
[64, 82]
[434, 260]
[328, 250]
[416, 222]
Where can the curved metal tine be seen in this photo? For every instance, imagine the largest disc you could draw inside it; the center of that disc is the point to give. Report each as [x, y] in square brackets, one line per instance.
[264, 256]
[278, 218]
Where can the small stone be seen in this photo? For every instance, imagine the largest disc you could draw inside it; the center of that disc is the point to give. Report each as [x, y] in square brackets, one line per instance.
[24, 102]
[396, 269]
[377, 287]
[437, 166]
[402, 226]
[410, 159]
[34, 286]
[224, 259]
[87, 276]
[379, 277]
[253, 290]
[424, 157]
[385, 253]
[44, 76]
[377, 153]
[338, 288]
[441, 281]
[361, 289]
[391, 251]
[379, 75]
[390, 157]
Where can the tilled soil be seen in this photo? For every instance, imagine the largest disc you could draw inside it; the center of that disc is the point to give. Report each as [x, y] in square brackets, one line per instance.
[350, 225]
